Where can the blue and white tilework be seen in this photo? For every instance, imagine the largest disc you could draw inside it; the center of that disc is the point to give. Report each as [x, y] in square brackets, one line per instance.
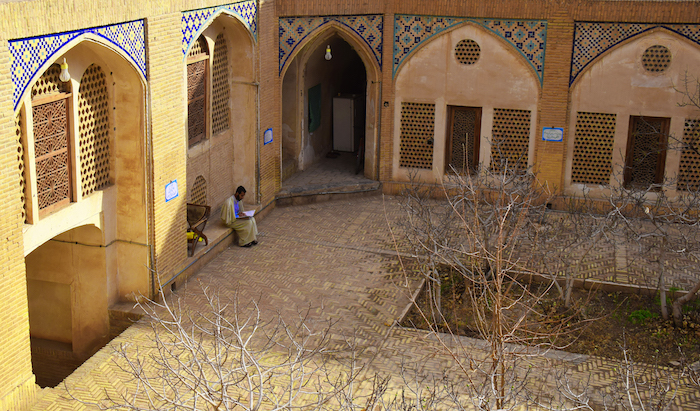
[593, 39]
[194, 21]
[293, 30]
[28, 55]
[529, 37]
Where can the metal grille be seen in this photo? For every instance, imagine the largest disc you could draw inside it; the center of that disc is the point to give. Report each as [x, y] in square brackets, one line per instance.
[198, 194]
[220, 105]
[196, 101]
[49, 83]
[511, 139]
[656, 59]
[51, 153]
[417, 133]
[199, 47]
[93, 112]
[463, 151]
[689, 172]
[467, 51]
[593, 148]
[20, 163]
[644, 156]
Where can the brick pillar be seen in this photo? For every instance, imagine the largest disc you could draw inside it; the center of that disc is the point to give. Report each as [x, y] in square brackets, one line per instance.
[270, 100]
[386, 138]
[550, 156]
[17, 387]
[168, 115]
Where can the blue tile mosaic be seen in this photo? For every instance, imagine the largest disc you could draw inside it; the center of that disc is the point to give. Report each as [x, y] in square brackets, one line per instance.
[529, 37]
[592, 39]
[293, 30]
[194, 21]
[28, 55]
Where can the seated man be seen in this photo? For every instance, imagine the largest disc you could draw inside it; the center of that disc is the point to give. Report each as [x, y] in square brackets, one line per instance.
[232, 215]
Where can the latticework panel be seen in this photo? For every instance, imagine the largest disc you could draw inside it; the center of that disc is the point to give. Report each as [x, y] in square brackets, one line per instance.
[49, 83]
[221, 113]
[20, 163]
[593, 148]
[511, 139]
[689, 171]
[647, 147]
[199, 47]
[467, 52]
[93, 126]
[198, 194]
[51, 153]
[196, 101]
[462, 155]
[417, 134]
[656, 59]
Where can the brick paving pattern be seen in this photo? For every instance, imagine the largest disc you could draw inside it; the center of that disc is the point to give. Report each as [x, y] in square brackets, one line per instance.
[338, 261]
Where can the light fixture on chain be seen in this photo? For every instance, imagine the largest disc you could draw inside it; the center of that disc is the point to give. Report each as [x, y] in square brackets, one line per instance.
[65, 75]
[328, 52]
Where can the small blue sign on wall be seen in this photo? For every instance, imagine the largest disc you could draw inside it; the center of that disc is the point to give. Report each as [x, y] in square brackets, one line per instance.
[552, 134]
[267, 136]
[171, 190]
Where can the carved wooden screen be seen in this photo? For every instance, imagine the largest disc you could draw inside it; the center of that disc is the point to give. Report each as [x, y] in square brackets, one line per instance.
[19, 119]
[93, 112]
[221, 112]
[464, 134]
[689, 172]
[646, 151]
[198, 61]
[51, 154]
[417, 134]
[511, 139]
[593, 148]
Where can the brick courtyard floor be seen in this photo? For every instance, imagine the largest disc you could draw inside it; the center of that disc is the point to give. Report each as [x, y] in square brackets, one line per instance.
[337, 261]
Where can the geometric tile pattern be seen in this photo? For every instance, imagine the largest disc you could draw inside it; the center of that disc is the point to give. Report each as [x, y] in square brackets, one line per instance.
[593, 39]
[28, 55]
[529, 37]
[293, 30]
[194, 21]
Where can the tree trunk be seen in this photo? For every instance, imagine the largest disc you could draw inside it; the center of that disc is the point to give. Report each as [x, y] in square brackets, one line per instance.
[678, 304]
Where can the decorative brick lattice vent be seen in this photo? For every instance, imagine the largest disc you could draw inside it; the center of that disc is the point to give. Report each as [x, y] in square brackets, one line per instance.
[417, 133]
[198, 195]
[511, 139]
[593, 148]
[197, 92]
[467, 51]
[51, 153]
[49, 83]
[656, 59]
[93, 117]
[689, 172]
[20, 163]
[221, 113]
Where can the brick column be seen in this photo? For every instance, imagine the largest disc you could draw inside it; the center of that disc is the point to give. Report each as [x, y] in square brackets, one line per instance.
[168, 115]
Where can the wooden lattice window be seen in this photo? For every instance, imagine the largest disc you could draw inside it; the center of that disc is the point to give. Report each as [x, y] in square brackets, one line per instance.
[646, 152]
[511, 139]
[593, 148]
[221, 112]
[417, 135]
[689, 172]
[93, 114]
[197, 64]
[51, 153]
[464, 134]
[198, 194]
[19, 120]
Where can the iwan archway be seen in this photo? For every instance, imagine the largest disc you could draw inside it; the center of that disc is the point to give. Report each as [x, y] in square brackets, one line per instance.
[330, 99]
[83, 166]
